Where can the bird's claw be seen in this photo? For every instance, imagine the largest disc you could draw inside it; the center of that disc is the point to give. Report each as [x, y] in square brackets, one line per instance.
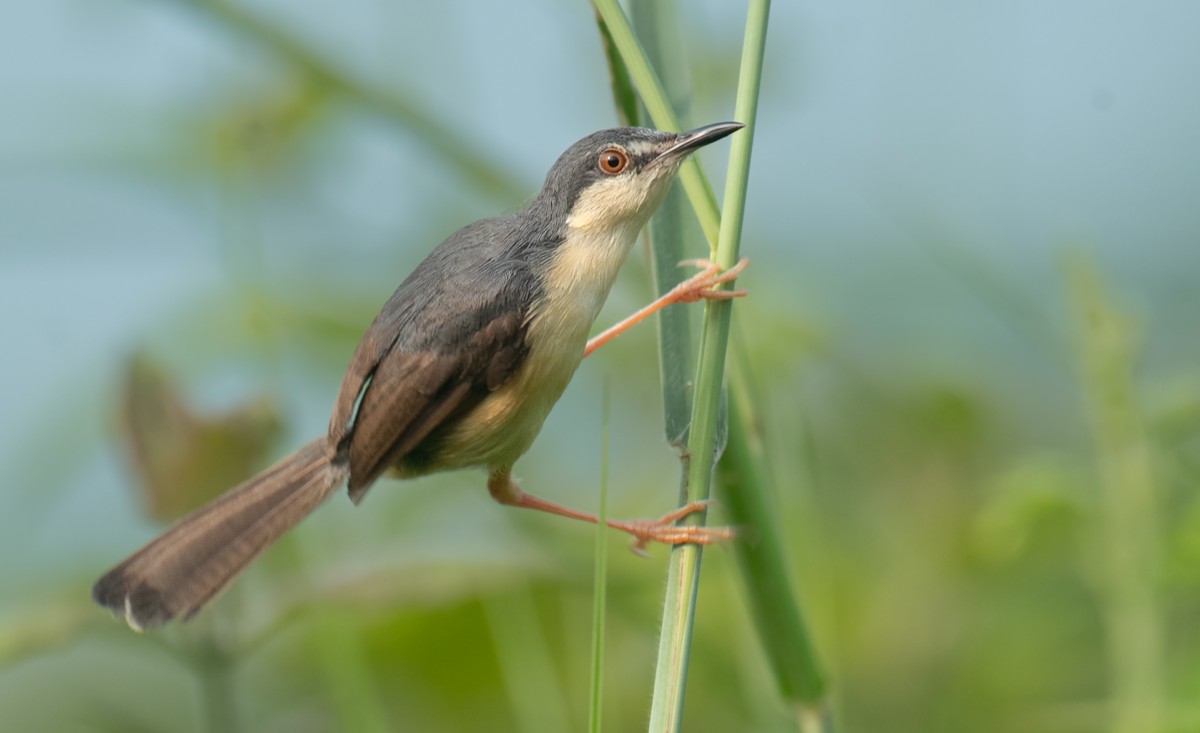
[700, 286]
[665, 531]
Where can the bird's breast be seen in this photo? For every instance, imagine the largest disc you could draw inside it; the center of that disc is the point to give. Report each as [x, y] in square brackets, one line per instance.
[575, 285]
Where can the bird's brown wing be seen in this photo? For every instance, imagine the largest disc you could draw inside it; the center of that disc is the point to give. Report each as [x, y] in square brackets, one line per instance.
[412, 393]
[448, 337]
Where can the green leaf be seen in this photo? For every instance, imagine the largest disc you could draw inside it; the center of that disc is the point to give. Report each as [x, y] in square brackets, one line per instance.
[624, 98]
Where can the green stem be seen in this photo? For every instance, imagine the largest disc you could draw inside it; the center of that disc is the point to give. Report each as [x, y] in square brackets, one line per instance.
[1108, 349]
[673, 230]
[780, 624]
[670, 681]
[600, 583]
[214, 667]
[763, 569]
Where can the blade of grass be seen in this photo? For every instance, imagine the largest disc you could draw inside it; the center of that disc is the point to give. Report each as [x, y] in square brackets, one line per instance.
[600, 583]
[1107, 344]
[666, 712]
[471, 160]
[672, 230]
[625, 98]
[743, 471]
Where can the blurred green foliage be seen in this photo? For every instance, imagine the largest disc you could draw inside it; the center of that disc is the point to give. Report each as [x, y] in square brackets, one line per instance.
[952, 422]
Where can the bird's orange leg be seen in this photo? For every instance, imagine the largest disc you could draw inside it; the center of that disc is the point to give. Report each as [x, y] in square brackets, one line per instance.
[697, 287]
[644, 531]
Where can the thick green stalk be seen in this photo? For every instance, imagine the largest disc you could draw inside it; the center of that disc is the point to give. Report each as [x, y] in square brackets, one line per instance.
[777, 616]
[673, 230]
[780, 624]
[1108, 347]
[670, 681]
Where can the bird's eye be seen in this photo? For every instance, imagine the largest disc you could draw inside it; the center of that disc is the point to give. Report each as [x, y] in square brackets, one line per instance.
[612, 161]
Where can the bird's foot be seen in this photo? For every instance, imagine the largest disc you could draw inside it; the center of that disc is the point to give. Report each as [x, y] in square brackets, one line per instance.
[700, 286]
[664, 530]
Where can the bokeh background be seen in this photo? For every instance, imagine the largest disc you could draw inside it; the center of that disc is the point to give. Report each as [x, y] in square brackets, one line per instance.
[976, 239]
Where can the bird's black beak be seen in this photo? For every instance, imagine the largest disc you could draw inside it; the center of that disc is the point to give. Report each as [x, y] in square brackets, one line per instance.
[686, 142]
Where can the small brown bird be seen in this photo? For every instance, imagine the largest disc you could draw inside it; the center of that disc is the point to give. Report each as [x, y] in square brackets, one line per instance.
[459, 369]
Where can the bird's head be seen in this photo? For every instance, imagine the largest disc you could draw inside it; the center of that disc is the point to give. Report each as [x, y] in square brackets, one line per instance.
[616, 178]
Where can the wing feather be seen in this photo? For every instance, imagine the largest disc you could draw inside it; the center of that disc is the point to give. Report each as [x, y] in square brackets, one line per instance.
[451, 334]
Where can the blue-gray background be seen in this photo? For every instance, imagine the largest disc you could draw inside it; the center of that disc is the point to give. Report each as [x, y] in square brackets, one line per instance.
[921, 172]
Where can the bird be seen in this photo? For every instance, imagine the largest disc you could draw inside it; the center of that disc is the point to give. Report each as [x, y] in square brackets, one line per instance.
[459, 369]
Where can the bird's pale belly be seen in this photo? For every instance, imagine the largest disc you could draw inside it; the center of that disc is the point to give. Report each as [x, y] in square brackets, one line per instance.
[503, 426]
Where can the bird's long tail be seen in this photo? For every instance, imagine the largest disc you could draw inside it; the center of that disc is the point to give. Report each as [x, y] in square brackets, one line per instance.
[184, 568]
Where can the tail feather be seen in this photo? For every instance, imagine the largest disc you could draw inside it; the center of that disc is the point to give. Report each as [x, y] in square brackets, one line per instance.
[184, 568]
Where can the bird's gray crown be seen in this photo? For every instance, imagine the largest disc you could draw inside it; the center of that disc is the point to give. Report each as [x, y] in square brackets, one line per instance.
[576, 169]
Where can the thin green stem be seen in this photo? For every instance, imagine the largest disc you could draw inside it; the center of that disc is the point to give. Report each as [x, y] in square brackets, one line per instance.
[742, 473]
[670, 681]
[600, 583]
[214, 667]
